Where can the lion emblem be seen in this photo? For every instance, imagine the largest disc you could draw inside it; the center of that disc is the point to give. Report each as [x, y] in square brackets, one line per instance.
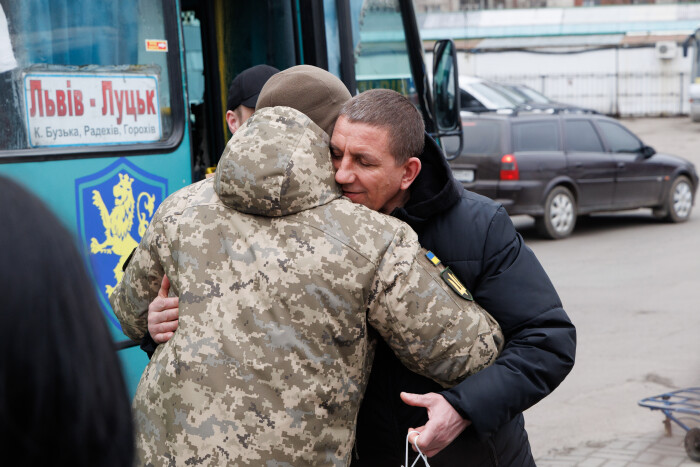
[118, 223]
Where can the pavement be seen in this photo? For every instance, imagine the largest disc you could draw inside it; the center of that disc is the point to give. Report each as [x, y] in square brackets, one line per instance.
[654, 449]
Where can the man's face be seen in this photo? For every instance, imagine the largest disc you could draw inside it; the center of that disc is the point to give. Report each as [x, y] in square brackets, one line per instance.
[365, 169]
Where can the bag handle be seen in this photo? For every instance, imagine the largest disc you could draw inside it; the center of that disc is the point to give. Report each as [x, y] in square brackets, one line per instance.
[420, 453]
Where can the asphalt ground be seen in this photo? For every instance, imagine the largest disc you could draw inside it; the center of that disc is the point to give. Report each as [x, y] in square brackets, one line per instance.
[631, 285]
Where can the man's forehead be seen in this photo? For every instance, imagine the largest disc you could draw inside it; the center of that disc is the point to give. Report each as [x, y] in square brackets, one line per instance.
[360, 131]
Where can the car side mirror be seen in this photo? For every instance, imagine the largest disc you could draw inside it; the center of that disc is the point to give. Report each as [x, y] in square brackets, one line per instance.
[447, 93]
[648, 151]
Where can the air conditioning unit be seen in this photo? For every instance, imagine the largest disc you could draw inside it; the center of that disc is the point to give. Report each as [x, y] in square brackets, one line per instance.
[666, 50]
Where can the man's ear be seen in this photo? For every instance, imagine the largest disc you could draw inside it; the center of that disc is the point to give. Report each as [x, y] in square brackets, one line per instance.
[411, 169]
[232, 121]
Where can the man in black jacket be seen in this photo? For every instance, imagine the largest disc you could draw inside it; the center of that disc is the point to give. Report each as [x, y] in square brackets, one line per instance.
[474, 237]
[377, 166]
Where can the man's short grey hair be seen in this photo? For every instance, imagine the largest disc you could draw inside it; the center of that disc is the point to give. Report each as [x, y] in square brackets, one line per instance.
[384, 108]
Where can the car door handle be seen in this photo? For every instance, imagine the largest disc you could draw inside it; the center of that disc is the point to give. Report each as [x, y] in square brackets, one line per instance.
[620, 165]
[578, 165]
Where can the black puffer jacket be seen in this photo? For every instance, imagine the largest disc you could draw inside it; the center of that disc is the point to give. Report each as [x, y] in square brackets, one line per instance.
[475, 237]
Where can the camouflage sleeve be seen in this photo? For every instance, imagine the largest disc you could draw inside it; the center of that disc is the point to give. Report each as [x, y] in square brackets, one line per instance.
[141, 281]
[431, 328]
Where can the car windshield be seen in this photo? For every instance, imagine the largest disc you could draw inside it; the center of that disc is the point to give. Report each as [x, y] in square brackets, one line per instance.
[510, 94]
[489, 96]
[534, 96]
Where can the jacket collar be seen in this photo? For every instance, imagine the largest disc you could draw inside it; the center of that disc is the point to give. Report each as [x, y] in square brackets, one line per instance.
[435, 190]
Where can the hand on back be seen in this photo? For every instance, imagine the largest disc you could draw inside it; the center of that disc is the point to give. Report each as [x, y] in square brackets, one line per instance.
[163, 314]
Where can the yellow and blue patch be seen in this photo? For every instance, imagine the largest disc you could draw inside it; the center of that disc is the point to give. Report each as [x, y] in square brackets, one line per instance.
[433, 259]
[450, 278]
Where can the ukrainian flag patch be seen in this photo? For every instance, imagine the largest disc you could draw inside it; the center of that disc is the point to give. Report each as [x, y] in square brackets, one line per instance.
[433, 259]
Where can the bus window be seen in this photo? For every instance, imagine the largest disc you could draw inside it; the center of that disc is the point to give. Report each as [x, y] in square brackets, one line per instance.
[381, 52]
[90, 73]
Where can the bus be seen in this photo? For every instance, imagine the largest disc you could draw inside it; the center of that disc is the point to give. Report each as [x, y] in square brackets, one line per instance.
[693, 43]
[108, 107]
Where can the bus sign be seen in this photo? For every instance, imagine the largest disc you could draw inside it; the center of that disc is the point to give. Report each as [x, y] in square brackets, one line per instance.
[69, 109]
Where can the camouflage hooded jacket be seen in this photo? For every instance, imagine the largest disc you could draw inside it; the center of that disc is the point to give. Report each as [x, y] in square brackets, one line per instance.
[278, 279]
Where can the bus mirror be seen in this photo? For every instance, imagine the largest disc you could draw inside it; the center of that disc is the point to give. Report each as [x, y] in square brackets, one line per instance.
[446, 93]
[445, 87]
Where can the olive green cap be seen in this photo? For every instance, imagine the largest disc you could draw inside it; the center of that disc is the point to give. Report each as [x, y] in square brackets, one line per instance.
[311, 90]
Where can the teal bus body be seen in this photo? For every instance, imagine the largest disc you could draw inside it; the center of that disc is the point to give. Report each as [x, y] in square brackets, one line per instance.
[57, 184]
[104, 182]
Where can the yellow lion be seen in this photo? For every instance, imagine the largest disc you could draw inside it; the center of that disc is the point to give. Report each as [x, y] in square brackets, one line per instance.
[117, 224]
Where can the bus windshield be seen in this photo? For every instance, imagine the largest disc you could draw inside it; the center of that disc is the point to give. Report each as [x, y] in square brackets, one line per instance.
[381, 54]
[85, 73]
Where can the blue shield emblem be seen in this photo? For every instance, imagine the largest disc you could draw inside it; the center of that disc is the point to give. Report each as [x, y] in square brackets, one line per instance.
[114, 207]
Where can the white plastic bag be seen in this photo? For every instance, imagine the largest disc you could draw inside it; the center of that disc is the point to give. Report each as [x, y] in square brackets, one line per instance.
[420, 453]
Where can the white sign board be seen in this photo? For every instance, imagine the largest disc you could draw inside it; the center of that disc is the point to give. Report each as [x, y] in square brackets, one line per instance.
[78, 109]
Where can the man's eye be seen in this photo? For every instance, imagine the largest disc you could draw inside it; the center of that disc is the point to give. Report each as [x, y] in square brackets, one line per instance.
[336, 156]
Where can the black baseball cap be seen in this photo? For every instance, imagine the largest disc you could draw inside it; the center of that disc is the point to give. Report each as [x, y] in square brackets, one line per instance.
[245, 87]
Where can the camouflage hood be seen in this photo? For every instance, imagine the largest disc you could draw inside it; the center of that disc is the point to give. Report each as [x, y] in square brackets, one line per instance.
[278, 163]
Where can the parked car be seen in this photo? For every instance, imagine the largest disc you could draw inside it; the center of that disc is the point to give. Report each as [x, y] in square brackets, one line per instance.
[556, 167]
[478, 95]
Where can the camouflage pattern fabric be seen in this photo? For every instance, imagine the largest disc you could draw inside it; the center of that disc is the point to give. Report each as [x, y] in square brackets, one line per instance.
[279, 278]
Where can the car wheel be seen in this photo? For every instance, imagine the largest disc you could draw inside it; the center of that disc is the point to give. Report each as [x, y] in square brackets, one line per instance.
[679, 200]
[559, 214]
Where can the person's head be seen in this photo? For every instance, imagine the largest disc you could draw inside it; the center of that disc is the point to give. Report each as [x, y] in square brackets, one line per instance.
[63, 400]
[243, 94]
[312, 91]
[375, 147]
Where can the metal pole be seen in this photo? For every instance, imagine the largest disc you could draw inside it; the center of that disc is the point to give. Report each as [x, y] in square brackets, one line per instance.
[617, 81]
[347, 53]
[680, 110]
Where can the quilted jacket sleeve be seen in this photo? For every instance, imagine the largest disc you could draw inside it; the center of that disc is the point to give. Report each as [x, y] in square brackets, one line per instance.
[432, 330]
[540, 338]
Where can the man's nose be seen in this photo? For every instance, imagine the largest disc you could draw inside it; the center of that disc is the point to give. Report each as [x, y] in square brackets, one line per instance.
[344, 173]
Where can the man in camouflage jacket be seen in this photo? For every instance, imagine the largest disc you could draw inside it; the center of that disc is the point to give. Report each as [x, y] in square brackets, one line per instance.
[278, 278]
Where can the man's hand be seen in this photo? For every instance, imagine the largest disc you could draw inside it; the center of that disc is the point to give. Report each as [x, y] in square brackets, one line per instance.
[444, 423]
[163, 314]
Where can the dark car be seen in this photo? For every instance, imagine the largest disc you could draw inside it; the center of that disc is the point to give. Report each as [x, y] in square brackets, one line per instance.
[556, 167]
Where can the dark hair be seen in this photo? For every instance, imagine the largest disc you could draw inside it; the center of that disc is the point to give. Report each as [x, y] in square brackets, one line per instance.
[63, 399]
[384, 108]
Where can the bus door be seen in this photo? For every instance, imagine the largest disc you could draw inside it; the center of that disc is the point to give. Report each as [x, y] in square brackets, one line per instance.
[221, 38]
[366, 43]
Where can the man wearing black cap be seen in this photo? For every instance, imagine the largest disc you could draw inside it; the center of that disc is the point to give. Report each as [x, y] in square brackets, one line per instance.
[243, 94]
